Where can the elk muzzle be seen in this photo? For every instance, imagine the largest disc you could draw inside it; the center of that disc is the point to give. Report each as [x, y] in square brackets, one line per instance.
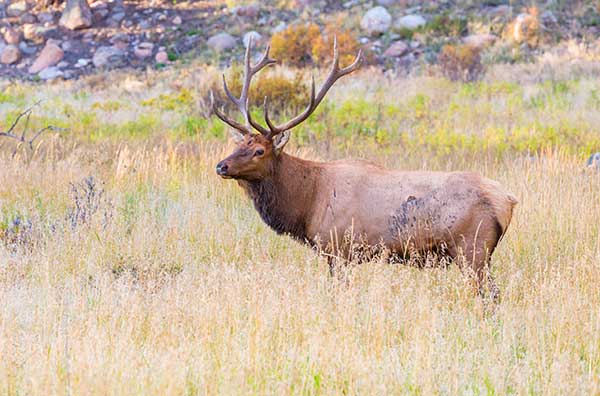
[222, 169]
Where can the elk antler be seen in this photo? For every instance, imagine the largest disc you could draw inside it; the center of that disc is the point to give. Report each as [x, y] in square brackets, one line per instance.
[334, 74]
[242, 102]
[249, 71]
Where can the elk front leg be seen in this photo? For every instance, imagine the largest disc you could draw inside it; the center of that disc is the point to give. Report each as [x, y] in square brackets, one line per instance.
[477, 249]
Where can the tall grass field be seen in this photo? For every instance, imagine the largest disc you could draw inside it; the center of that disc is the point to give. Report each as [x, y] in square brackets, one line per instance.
[128, 267]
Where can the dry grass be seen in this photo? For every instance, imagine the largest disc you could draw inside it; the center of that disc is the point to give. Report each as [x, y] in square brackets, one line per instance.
[174, 286]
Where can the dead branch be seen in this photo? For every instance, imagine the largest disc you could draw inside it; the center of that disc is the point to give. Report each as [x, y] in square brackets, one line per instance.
[22, 138]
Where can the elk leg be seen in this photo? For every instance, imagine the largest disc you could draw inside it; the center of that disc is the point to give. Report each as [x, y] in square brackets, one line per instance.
[477, 252]
[332, 263]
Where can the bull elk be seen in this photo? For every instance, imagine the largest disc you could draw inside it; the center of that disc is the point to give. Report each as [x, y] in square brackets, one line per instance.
[319, 203]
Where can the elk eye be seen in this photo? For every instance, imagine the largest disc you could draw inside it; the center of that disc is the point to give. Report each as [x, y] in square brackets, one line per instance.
[259, 152]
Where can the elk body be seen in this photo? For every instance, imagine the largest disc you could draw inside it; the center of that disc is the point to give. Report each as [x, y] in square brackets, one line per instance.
[322, 203]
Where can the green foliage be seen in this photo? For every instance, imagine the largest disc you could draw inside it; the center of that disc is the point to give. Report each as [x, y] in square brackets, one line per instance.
[445, 25]
[196, 126]
[175, 101]
[283, 94]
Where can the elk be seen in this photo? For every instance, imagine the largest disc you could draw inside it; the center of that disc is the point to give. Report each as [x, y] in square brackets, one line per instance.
[455, 214]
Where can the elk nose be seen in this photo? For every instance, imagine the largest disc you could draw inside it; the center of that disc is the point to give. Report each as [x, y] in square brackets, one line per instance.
[222, 168]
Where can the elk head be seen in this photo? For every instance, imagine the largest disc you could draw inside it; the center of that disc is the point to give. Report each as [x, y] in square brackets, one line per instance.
[259, 146]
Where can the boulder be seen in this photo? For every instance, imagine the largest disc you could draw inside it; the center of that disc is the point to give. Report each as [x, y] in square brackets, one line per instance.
[27, 50]
[376, 21]
[480, 41]
[28, 18]
[35, 33]
[500, 11]
[11, 54]
[161, 57]
[49, 56]
[281, 26]
[50, 73]
[410, 22]
[16, 8]
[107, 56]
[221, 42]
[45, 17]
[594, 161]
[12, 36]
[250, 10]
[398, 48]
[117, 17]
[77, 15]
[143, 50]
[251, 35]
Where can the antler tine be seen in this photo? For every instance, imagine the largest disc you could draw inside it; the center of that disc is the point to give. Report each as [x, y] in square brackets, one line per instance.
[257, 126]
[232, 123]
[242, 102]
[334, 74]
[264, 60]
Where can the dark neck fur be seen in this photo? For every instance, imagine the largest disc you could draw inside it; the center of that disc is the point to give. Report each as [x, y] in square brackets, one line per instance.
[284, 200]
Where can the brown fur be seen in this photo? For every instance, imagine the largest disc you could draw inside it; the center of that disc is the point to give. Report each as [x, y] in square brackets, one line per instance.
[321, 203]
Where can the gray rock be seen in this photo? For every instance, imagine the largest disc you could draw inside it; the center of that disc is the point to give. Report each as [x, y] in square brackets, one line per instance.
[376, 21]
[49, 56]
[107, 56]
[279, 28]
[45, 17]
[118, 16]
[12, 36]
[27, 50]
[50, 73]
[161, 57]
[410, 22]
[397, 48]
[35, 33]
[594, 161]
[177, 20]
[221, 42]
[69, 45]
[143, 50]
[77, 15]
[82, 62]
[386, 3]
[480, 40]
[121, 37]
[28, 18]
[250, 10]
[10, 55]
[100, 14]
[16, 8]
[145, 24]
[501, 11]
[548, 18]
[251, 35]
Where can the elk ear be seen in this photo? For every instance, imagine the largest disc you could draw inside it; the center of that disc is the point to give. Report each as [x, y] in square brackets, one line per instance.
[280, 141]
[236, 136]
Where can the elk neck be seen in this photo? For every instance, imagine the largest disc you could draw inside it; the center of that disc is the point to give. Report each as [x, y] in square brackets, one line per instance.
[285, 199]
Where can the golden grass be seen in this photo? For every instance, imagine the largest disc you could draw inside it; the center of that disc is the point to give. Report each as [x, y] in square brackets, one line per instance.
[173, 285]
[192, 294]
